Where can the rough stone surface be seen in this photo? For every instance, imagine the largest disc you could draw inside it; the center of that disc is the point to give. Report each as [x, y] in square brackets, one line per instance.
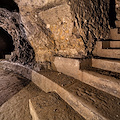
[52, 107]
[91, 20]
[17, 108]
[11, 22]
[117, 8]
[64, 28]
[106, 104]
[104, 64]
[10, 84]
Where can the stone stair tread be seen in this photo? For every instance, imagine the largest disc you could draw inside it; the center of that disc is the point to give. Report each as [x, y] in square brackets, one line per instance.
[107, 64]
[51, 106]
[112, 44]
[105, 72]
[108, 59]
[59, 78]
[84, 109]
[107, 53]
[86, 87]
[97, 99]
[114, 34]
[102, 82]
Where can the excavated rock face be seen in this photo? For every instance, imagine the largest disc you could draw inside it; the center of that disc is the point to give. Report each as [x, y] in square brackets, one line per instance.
[11, 22]
[49, 26]
[65, 28]
[91, 20]
[117, 9]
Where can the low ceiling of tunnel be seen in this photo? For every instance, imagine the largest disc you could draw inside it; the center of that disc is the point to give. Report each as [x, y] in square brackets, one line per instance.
[9, 5]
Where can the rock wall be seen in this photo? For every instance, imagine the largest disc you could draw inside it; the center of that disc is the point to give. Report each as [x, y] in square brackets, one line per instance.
[91, 20]
[11, 22]
[117, 6]
[64, 28]
[47, 28]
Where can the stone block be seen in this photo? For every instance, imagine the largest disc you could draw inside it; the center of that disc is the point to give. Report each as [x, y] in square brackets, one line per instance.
[107, 53]
[115, 44]
[114, 34]
[110, 65]
[51, 106]
[102, 82]
[59, 21]
[71, 67]
[110, 44]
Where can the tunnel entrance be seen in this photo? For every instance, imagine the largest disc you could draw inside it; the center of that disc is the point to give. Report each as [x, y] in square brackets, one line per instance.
[6, 43]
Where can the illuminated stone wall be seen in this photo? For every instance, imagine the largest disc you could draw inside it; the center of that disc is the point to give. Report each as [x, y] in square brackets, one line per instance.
[64, 28]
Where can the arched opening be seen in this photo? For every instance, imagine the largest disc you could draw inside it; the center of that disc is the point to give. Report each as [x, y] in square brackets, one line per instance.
[112, 13]
[9, 5]
[6, 43]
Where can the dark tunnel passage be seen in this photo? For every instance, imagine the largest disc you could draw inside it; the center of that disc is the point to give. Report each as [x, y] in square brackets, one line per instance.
[112, 13]
[6, 43]
[9, 5]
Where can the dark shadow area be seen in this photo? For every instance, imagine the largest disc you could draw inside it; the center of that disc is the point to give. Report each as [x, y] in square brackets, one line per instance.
[112, 13]
[6, 43]
[9, 5]
[11, 84]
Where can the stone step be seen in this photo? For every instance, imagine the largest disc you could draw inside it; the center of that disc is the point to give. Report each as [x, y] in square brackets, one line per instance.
[82, 97]
[53, 81]
[114, 44]
[105, 83]
[110, 44]
[71, 67]
[42, 81]
[78, 94]
[51, 107]
[114, 34]
[62, 64]
[17, 107]
[107, 53]
[57, 82]
[117, 23]
[110, 65]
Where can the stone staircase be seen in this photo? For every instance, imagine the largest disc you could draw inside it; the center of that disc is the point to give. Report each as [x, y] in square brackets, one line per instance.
[93, 95]
[90, 88]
